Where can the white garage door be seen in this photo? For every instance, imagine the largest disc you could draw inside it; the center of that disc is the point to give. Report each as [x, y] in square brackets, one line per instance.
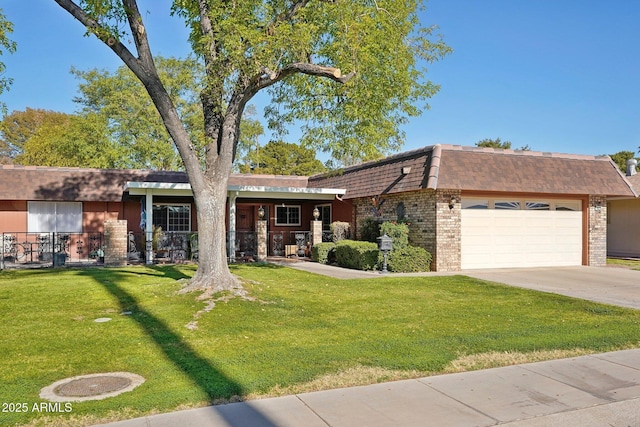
[520, 233]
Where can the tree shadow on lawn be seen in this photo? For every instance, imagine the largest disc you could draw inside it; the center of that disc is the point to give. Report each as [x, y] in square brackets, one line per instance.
[207, 377]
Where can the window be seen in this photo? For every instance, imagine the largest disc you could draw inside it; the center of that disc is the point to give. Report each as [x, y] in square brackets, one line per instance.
[568, 206]
[287, 215]
[325, 216]
[537, 206]
[172, 217]
[503, 204]
[54, 217]
[474, 203]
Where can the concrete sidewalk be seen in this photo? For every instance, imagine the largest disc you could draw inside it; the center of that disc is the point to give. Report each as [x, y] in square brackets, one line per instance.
[596, 390]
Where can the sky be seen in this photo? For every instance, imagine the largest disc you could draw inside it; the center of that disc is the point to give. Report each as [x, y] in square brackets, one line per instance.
[554, 75]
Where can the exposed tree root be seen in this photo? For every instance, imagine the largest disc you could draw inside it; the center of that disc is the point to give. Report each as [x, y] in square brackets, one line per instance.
[237, 291]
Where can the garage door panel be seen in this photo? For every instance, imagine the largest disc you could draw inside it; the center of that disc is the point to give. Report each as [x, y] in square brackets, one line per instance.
[520, 238]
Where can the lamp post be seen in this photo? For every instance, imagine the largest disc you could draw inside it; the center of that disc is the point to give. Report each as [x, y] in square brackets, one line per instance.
[316, 213]
[260, 212]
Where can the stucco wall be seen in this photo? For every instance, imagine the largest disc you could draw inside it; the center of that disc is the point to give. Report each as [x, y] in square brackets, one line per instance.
[623, 228]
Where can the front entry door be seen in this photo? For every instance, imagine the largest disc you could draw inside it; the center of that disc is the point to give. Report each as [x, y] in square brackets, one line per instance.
[245, 235]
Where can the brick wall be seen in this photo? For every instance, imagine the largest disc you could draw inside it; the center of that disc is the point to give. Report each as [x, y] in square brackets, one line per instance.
[433, 226]
[597, 218]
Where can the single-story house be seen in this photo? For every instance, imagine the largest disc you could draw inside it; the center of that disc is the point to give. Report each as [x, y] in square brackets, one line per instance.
[623, 219]
[488, 208]
[470, 207]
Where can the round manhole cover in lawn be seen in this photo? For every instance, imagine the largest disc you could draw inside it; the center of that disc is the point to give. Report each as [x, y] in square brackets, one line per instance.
[91, 387]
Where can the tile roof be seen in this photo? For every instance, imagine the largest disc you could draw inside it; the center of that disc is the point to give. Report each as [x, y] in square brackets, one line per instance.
[481, 169]
[104, 185]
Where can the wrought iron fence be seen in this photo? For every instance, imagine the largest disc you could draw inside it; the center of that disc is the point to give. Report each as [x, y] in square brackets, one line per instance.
[291, 243]
[167, 246]
[21, 249]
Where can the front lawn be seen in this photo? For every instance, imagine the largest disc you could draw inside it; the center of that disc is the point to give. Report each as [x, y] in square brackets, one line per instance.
[301, 332]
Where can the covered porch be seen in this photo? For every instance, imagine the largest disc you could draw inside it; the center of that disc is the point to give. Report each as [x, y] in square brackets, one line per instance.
[261, 220]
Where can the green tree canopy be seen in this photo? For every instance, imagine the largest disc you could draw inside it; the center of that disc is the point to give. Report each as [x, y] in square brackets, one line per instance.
[71, 141]
[16, 128]
[134, 124]
[282, 158]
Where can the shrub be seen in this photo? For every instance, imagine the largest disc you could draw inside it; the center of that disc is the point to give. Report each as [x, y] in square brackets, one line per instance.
[399, 232]
[370, 230]
[340, 230]
[408, 259]
[358, 255]
[324, 253]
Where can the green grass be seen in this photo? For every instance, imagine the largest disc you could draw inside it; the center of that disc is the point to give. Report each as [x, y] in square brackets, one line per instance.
[625, 262]
[300, 327]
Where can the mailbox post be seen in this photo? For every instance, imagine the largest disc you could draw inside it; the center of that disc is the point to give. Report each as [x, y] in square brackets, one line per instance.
[385, 245]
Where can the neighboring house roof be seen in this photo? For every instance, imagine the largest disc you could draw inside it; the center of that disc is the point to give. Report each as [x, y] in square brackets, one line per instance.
[634, 180]
[482, 170]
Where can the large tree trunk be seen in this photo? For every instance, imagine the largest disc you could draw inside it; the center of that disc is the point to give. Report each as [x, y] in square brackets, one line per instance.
[213, 273]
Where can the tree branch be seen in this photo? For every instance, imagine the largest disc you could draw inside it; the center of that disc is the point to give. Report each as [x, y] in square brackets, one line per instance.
[94, 27]
[269, 77]
[139, 33]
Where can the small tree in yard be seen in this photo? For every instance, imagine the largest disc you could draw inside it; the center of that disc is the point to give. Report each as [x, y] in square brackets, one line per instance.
[296, 50]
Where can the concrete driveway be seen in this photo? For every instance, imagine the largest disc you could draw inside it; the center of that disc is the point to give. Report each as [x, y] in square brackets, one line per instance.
[611, 285]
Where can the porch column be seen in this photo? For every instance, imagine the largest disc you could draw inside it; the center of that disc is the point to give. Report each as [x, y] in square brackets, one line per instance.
[316, 232]
[261, 231]
[148, 232]
[232, 226]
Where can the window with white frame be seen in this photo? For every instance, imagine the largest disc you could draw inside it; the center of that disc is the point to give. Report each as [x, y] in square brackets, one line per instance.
[172, 217]
[54, 217]
[288, 215]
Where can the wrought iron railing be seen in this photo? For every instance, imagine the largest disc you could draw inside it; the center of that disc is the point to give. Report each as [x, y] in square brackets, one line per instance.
[167, 246]
[21, 249]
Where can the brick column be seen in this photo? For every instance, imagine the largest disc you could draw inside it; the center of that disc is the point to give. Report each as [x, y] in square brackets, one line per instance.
[597, 217]
[448, 256]
[261, 232]
[115, 243]
[316, 232]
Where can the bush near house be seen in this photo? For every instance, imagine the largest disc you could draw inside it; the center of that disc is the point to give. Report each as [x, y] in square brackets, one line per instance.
[370, 229]
[399, 232]
[324, 253]
[409, 259]
[340, 230]
[358, 255]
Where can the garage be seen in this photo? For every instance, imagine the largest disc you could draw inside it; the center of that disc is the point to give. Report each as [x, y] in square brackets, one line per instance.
[505, 233]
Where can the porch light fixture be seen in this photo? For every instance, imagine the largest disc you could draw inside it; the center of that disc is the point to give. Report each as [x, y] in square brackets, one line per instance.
[316, 213]
[452, 201]
[260, 212]
[598, 206]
